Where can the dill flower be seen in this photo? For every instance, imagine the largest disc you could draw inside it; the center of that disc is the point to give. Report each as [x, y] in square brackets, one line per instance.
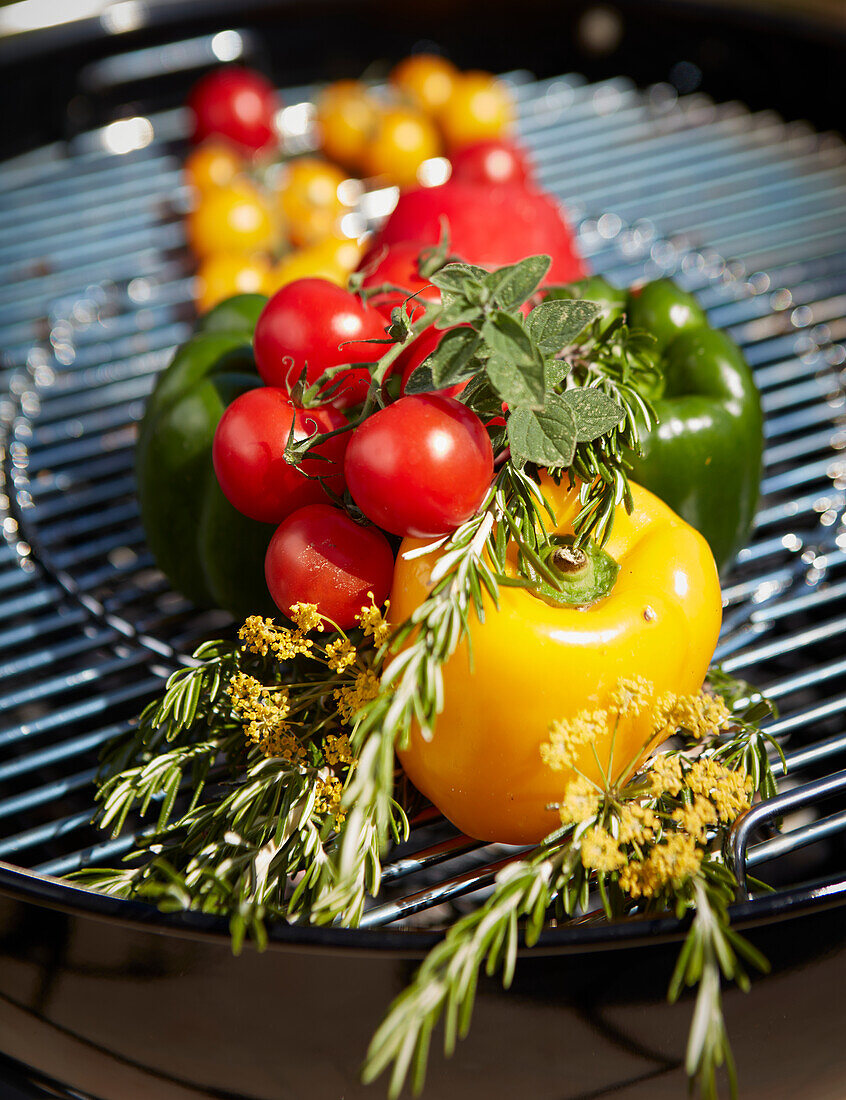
[337, 750]
[306, 616]
[695, 819]
[702, 715]
[632, 697]
[567, 737]
[636, 824]
[580, 802]
[261, 636]
[372, 621]
[600, 851]
[729, 790]
[329, 792]
[340, 654]
[664, 775]
[668, 864]
[352, 697]
[263, 712]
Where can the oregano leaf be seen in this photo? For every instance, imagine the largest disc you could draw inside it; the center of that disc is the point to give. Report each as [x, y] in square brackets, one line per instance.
[515, 367]
[452, 360]
[457, 278]
[545, 436]
[517, 387]
[480, 396]
[512, 285]
[555, 371]
[420, 381]
[595, 412]
[555, 324]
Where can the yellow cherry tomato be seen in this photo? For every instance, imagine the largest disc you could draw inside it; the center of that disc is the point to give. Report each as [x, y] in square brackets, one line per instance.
[212, 164]
[347, 117]
[315, 262]
[342, 251]
[227, 273]
[309, 200]
[404, 138]
[236, 218]
[534, 664]
[480, 107]
[426, 79]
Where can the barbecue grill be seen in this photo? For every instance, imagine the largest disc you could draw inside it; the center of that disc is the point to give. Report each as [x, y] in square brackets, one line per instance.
[115, 1001]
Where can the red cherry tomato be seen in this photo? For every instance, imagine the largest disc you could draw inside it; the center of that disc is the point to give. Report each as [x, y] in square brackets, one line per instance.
[398, 266]
[237, 104]
[319, 555]
[315, 322]
[249, 454]
[420, 467]
[496, 160]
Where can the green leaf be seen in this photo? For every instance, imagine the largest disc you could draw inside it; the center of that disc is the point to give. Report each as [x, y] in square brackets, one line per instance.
[459, 279]
[515, 368]
[457, 310]
[555, 324]
[452, 360]
[546, 436]
[555, 371]
[479, 396]
[594, 412]
[420, 380]
[511, 286]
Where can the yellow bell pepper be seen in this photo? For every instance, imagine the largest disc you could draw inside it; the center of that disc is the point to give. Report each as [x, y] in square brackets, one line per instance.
[534, 664]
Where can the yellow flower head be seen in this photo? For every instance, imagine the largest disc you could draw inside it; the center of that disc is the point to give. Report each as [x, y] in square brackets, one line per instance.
[567, 737]
[261, 636]
[702, 715]
[665, 775]
[668, 864]
[337, 749]
[352, 697]
[263, 712]
[340, 654]
[580, 802]
[600, 851]
[372, 621]
[328, 801]
[636, 824]
[694, 820]
[729, 790]
[306, 616]
[632, 697]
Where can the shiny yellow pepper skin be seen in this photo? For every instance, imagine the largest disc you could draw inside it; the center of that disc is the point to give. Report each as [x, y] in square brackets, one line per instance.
[534, 663]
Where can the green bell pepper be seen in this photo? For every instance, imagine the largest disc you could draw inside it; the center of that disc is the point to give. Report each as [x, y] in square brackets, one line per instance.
[704, 456]
[206, 549]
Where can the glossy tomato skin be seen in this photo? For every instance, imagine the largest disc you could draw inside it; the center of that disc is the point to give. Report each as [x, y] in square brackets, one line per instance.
[249, 454]
[421, 466]
[490, 226]
[398, 266]
[494, 161]
[319, 555]
[316, 322]
[237, 104]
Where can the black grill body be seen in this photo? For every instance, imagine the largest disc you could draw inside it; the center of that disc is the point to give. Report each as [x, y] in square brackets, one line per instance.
[113, 1001]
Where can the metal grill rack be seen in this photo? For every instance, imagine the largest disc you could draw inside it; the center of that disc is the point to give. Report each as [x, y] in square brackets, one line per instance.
[96, 292]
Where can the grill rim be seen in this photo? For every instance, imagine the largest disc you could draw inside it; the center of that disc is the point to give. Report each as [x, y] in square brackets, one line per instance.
[80, 902]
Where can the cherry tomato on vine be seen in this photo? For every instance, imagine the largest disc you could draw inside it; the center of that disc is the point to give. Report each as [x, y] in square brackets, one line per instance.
[495, 160]
[309, 200]
[225, 274]
[249, 454]
[398, 266]
[426, 79]
[346, 117]
[320, 555]
[403, 138]
[235, 218]
[480, 107]
[237, 104]
[421, 466]
[215, 163]
[315, 322]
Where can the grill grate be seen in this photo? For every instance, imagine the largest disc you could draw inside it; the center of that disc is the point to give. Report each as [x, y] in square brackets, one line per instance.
[97, 291]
